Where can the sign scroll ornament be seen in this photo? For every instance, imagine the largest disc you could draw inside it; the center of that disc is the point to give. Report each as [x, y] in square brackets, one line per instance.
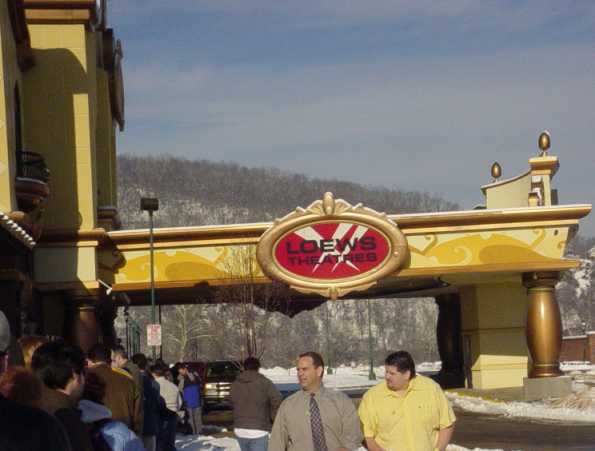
[332, 248]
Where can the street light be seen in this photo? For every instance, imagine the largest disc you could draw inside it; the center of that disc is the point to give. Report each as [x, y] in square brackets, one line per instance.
[371, 374]
[329, 370]
[151, 205]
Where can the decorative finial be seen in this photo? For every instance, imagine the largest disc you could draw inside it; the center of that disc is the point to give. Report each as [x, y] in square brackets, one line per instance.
[328, 203]
[544, 142]
[496, 171]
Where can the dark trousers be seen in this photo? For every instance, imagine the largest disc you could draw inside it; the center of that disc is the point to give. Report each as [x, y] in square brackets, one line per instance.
[166, 440]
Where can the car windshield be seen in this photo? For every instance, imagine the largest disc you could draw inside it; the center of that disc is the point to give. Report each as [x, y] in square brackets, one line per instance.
[222, 369]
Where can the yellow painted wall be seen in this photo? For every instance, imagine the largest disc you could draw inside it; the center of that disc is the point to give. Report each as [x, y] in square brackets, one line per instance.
[104, 141]
[509, 194]
[493, 318]
[9, 77]
[75, 264]
[60, 111]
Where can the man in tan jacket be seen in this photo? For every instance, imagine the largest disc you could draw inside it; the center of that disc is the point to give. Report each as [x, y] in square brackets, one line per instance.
[121, 395]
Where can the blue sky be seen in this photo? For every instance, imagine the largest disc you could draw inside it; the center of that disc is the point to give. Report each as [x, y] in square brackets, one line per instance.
[409, 94]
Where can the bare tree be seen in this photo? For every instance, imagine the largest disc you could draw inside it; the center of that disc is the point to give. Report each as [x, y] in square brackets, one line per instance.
[183, 325]
[251, 300]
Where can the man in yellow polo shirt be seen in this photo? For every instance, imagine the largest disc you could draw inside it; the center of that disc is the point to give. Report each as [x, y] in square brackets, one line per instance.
[406, 412]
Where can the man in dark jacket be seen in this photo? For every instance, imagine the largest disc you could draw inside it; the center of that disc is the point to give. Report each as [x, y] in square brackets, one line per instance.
[255, 401]
[61, 367]
[24, 427]
[121, 395]
[151, 403]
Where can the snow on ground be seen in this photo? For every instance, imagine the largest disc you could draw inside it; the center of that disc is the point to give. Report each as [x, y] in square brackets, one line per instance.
[577, 366]
[207, 443]
[518, 409]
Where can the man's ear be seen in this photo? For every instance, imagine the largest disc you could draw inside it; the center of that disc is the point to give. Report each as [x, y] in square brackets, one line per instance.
[320, 371]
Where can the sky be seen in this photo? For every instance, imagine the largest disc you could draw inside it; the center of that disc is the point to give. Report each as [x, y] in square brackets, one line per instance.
[416, 95]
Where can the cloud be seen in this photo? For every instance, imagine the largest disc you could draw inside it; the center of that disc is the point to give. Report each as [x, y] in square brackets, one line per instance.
[433, 125]
[507, 15]
[429, 122]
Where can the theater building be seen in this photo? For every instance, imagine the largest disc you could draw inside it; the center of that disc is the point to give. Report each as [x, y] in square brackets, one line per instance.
[65, 266]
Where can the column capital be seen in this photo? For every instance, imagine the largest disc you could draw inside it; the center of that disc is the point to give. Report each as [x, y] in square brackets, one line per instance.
[541, 279]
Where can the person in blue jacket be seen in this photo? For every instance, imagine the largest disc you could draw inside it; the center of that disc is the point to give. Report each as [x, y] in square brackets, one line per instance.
[190, 386]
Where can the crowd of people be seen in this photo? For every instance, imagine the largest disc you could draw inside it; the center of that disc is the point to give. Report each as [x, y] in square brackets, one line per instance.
[62, 399]
[55, 397]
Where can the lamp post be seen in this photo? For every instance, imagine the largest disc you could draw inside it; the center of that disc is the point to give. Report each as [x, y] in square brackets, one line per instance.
[151, 205]
[371, 374]
[329, 370]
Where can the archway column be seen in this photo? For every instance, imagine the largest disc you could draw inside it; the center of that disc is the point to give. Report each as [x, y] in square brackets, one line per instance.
[83, 328]
[544, 324]
[448, 334]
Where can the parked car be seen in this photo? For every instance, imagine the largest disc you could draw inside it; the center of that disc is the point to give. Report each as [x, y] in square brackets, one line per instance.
[217, 377]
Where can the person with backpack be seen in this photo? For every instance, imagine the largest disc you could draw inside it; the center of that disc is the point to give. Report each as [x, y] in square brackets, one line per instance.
[190, 386]
[106, 433]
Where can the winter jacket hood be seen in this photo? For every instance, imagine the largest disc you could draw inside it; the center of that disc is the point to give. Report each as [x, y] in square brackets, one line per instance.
[92, 411]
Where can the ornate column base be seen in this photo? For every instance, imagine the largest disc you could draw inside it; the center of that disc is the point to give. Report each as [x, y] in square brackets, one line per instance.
[544, 325]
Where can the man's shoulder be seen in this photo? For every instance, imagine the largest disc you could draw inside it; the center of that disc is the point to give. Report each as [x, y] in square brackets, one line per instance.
[426, 383]
[16, 415]
[376, 390]
[122, 372]
[336, 395]
[292, 399]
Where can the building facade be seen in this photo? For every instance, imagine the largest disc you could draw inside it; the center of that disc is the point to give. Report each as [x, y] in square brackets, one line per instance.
[62, 106]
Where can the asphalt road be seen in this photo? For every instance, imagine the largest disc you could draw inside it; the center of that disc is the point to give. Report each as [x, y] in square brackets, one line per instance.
[496, 432]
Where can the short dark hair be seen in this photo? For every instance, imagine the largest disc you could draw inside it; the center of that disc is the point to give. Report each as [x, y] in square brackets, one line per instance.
[140, 360]
[121, 351]
[159, 370]
[100, 353]
[252, 363]
[316, 358]
[403, 361]
[56, 362]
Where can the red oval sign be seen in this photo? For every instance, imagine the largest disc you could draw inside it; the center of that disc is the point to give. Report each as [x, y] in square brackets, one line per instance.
[332, 250]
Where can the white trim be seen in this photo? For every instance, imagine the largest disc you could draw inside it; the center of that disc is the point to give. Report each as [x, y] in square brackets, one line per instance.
[573, 337]
[16, 230]
[30, 180]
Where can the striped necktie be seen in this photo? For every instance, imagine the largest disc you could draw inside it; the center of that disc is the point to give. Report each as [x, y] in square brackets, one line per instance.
[316, 424]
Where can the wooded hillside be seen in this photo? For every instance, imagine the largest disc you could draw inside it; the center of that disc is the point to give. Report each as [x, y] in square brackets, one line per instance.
[202, 192]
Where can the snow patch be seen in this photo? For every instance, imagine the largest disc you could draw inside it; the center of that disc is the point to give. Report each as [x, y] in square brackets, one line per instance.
[517, 409]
